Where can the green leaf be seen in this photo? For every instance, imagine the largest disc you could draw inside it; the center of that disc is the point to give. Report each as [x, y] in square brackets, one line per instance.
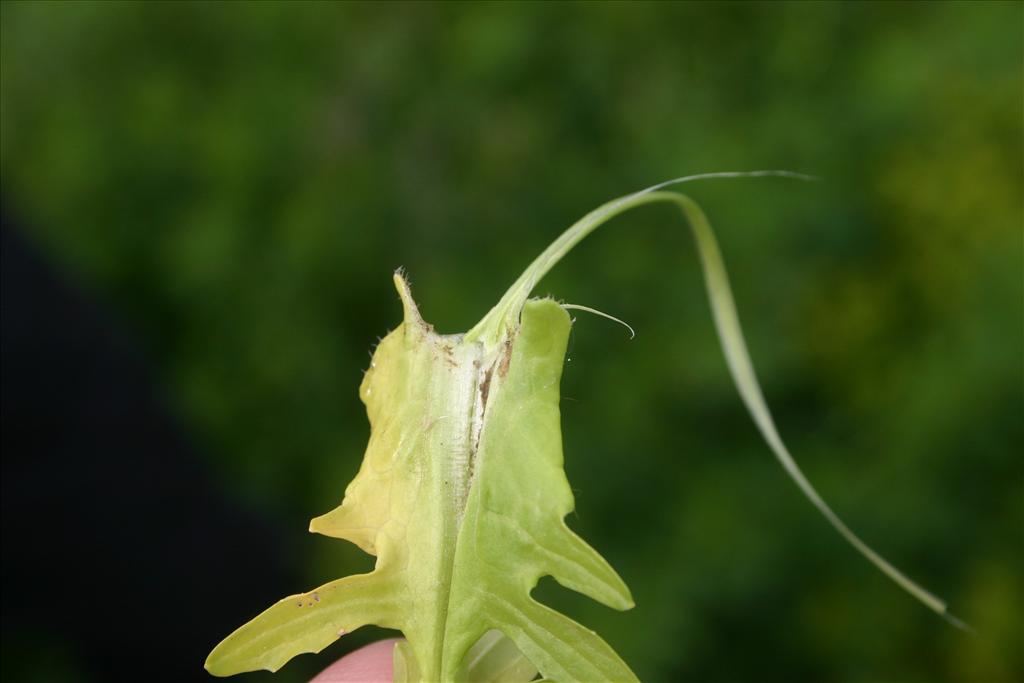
[462, 495]
[496, 659]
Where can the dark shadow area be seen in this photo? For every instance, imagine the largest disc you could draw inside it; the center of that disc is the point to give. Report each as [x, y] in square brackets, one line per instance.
[119, 554]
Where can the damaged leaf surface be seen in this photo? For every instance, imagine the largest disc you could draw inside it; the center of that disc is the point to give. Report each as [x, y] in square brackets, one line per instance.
[462, 496]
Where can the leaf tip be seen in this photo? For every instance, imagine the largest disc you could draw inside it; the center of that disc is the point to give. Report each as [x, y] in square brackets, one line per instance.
[410, 311]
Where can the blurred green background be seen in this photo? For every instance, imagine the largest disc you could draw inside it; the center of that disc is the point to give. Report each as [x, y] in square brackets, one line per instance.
[237, 182]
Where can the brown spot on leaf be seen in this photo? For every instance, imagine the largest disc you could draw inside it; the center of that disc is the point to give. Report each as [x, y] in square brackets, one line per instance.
[485, 387]
[506, 357]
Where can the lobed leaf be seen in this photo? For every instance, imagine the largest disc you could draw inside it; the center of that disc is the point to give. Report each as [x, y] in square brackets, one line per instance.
[462, 495]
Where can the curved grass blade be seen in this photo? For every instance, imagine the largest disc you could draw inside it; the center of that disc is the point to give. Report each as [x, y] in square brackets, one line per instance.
[730, 335]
